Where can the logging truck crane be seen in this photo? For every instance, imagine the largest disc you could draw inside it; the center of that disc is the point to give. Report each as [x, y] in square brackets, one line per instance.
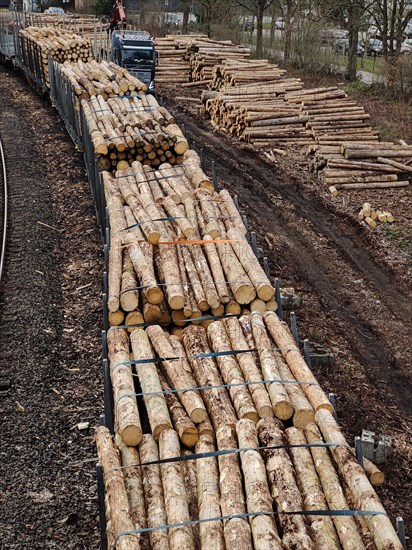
[133, 50]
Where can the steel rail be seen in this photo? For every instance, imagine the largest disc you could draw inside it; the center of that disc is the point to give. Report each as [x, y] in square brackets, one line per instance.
[5, 199]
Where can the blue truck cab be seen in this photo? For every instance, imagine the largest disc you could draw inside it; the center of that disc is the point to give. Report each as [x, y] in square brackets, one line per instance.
[135, 51]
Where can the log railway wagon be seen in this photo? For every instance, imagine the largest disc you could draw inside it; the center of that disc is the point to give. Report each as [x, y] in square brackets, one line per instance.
[223, 469]
[7, 38]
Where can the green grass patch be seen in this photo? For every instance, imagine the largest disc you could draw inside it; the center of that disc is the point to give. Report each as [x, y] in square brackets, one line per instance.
[401, 239]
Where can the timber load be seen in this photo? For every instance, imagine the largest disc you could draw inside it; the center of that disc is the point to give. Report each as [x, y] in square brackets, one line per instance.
[132, 128]
[104, 79]
[218, 467]
[178, 249]
[40, 43]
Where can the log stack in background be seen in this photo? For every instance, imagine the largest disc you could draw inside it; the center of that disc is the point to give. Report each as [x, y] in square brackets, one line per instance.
[257, 102]
[238, 72]
[347, 153]
[204, 54]
[38, 43]
[273, 472]
[173, 65]
[161, 222]
[259, 114]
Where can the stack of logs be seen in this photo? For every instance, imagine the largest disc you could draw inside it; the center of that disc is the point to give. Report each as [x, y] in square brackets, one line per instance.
[173, 67]
[104, 79]
[237, 72]
[259, 114]
[38, 43]
[362, 165]
[128, 129]
[224, 452]
[178, 249]
[204, 54]
[372, 217]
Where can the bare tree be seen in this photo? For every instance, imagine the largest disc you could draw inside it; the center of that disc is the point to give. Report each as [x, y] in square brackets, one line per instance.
[186, 14]
[258, 8]
[391, 18]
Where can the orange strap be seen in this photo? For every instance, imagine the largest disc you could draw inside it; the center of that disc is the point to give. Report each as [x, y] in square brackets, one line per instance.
[201, 241]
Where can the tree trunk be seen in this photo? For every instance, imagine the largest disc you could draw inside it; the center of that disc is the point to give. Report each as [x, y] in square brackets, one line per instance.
[237, 530]
[259, 27]
[283, 487]
[190, 479]
[272, 26]
[345, 525]
[217, 270]
[129, 296]
[125, 405]
[324, 533]
[153, 493]
[249, 368]
[211, 533]
[217, 401]
[142, 18]
[179, 374]
[186, 14]
[134, 487]
[288, 32]
[283, 338]
[258, 498]
[282, 406]
[251, 265]
[116, 496]
[353, 27]
[231, 372]
[156, 406]
[182, 424]
[176, 501]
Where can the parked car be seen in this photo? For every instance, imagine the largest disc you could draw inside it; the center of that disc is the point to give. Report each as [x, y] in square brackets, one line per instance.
[374, 47]
[408, 43]
[404, 47]
[342, 47]
[408, 30]
[54, 10]
[329, 36]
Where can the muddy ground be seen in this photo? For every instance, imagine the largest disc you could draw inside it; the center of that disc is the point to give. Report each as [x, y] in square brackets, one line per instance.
[50, 322]
[354, 285]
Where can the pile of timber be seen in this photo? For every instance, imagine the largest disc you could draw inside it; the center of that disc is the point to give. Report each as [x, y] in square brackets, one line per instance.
[128, 129]
[259, 114]
[38, 43]
[372, 217]
[173, 65]
[362, 165]
[237, 72]
[225, 452]
[346, 153]
[178, 250]
[81, 24]
[104, 79]
[333, 116]
[204, 54]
